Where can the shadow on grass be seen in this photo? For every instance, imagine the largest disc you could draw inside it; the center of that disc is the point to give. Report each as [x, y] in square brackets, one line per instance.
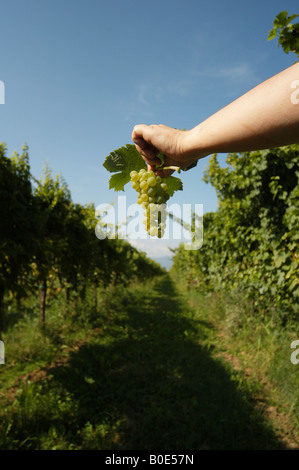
[148, 384]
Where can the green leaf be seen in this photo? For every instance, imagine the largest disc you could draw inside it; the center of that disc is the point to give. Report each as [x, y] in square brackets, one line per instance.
[161, 157]
[292, 17]
[124, 159]
[281, 19]
[114, 162]
[272, 34]
[173, 184]
[121, 162]
[118, 181]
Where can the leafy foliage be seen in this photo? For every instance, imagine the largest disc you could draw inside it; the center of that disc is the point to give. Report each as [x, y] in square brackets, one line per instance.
[16, 237]
[288, 33]
[251, 241]
[17, 227]
[47, 242]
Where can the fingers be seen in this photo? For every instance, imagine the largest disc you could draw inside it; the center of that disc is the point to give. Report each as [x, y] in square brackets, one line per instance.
[151, 167]
[163, 173]
[139, 133]
[141, 137]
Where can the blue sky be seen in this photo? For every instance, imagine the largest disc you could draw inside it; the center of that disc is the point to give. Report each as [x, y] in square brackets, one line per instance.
[79, 74]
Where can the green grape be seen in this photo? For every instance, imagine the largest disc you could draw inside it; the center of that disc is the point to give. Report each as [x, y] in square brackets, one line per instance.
[144, 197]
[152, 196]
[135, 177]
[153, 207]
[152, 181]
[144, 184]
[135, 185]
[160, 200]
[153, 231]
[151, 191]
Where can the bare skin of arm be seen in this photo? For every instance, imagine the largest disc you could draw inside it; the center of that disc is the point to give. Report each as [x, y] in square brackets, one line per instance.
[265, 117]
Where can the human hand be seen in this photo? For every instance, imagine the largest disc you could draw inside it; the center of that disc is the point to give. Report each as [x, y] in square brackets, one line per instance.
[150, 140]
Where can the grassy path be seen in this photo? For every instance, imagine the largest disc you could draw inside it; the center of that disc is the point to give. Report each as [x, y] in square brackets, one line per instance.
[148, 378]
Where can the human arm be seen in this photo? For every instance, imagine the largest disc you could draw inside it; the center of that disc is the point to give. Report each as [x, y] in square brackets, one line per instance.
[264, 117]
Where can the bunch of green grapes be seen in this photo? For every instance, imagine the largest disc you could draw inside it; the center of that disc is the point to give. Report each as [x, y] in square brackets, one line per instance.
[152, 196]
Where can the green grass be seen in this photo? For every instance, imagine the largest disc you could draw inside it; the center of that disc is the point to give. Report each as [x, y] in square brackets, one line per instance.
[149, 372]
[259, 349]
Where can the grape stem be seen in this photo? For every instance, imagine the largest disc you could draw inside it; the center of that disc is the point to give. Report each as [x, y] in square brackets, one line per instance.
[175, 168]
[161, 157]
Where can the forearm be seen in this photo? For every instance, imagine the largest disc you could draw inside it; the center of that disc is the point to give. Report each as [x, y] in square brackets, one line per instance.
[265, 117]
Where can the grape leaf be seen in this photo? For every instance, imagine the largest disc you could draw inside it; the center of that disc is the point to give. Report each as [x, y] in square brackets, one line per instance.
[121, 162]
[118, 181]
[173, 184]
[114, 162]
[125, 159]
[161, 157]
